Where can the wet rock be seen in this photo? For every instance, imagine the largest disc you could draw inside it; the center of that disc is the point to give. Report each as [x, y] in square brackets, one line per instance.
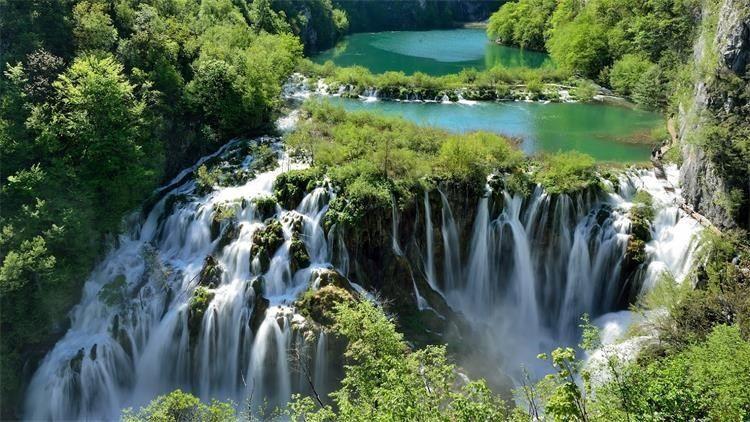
[77, 362]
[299, 258]
[266, 241]
[319, 305]
[260, 306]
[294, 221]
[259, 285]
[230, 234]
[602, 214]
[197, 307]
[92, 353]
[210, 275]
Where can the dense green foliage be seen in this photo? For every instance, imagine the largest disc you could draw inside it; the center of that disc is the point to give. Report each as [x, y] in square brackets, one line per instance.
[639, 48]
[178, 406]
[521, 23]
[101, 101]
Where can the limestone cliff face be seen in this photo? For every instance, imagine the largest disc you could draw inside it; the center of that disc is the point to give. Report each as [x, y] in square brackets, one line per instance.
[714, 171]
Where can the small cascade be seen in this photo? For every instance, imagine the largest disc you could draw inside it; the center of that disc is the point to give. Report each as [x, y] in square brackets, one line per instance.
[369, 95]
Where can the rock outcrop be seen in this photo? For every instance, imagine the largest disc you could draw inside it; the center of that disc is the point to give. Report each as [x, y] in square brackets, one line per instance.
[715, 128]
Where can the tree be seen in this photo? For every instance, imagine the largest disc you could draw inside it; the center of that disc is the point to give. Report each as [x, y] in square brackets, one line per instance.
[580, 46]
[93, 29]
[178, 406]
[627, 72]
[96, 127]
[384, 380]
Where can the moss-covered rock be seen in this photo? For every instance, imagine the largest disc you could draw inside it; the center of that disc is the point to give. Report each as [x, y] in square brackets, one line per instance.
[266, 241]
[299, 258]
[210, 275]
[197, 307]
[331, 277]
[114, 292]
[635, 253]
[260, 304]
[319, 305]
[265, 206]
[264, 158]
[641, 215]
[290, 187]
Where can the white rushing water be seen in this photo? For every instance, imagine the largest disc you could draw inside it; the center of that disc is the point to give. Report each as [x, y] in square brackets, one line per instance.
[531, 270]
[123, 351]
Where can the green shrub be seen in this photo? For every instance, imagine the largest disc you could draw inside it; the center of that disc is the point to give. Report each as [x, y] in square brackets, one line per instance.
[178, 407]
[566, 172]
[627, 72]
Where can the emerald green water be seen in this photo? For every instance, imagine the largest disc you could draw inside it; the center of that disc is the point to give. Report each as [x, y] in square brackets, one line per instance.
[605, 132]
[432, 52]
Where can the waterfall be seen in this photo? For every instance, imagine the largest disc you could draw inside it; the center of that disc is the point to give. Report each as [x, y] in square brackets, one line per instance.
[394, 228]
[452, 264]
[543, 260]
[429, 261]
[132, 337]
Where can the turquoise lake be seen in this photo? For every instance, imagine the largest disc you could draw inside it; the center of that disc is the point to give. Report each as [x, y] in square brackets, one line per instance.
[438, 52]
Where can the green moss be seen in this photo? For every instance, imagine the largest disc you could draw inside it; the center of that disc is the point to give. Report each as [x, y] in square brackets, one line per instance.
[566, 172]
[266, 241]
[290, 187]
[265, 206]
[197, 307]
[113, 293]
[320, 305]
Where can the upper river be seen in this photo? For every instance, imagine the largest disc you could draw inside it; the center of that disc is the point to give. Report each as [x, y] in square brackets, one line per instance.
[606, 132]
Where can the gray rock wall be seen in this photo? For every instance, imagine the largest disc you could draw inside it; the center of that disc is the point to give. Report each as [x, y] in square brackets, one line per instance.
[705, 176]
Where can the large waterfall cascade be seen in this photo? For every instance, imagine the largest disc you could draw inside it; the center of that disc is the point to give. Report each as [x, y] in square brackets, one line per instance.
[532, 267]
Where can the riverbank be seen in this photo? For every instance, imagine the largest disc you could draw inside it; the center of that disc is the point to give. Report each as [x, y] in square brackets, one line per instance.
[496, 84]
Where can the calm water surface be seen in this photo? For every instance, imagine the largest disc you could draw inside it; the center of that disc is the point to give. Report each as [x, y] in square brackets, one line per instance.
[603, 131]
[437, 52]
